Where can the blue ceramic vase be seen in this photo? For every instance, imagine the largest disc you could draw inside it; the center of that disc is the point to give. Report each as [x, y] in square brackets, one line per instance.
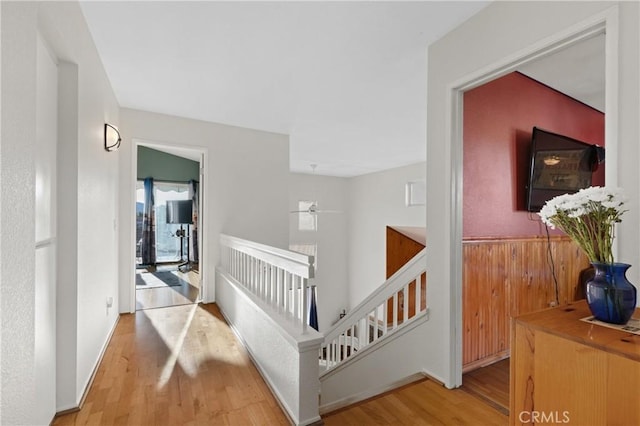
[610, 296]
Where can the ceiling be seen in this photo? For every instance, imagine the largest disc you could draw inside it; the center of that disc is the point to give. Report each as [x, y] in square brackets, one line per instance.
[345, 80]
[577, 71]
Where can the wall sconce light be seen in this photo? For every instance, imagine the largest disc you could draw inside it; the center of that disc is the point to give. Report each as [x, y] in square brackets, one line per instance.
[111, 137]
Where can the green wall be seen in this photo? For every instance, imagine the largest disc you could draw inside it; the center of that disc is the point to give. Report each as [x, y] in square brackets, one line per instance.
[162, 166]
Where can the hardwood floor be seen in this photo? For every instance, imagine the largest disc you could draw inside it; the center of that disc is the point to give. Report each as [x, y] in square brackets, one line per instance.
[175, 366]
[183, 365]
[490, 383]
[187, 293]
[421, 403]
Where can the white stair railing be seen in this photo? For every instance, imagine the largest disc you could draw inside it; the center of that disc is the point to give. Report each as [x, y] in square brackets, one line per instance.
[278, 277]
[397, 302]
[262, 292]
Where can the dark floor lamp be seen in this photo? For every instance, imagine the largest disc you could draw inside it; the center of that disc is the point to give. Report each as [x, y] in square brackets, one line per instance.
[180, 212]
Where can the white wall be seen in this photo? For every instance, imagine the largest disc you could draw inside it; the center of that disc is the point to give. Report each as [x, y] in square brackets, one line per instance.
[17, 227]
[352, 244]
[500, 32]
[90, 185]
[330, 239]
[367, 377]
[377, 200]
[245, 186]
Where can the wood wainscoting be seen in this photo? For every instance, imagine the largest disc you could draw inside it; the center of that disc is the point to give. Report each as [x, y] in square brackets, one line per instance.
[508, 277]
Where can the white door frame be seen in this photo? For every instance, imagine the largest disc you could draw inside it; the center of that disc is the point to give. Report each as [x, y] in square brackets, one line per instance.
[604, 22]
[202, 225]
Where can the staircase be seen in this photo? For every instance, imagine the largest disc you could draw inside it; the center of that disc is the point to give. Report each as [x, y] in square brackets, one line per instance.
[263, 292]
[357, 360]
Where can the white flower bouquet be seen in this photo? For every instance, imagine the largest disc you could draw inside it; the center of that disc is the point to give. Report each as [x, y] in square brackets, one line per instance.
[588, 217]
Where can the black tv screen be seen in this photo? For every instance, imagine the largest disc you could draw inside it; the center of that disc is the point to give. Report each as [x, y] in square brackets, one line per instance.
[558, 165]
[179, 211]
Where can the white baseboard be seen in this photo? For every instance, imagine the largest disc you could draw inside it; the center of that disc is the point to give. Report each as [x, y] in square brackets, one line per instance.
[85, 392]
[369, 393]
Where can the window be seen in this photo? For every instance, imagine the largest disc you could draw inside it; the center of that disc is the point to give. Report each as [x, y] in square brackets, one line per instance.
[167, 243]
[139, 216]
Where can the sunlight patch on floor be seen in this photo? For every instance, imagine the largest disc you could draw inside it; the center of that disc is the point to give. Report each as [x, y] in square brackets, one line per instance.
[175, 346]
[177, 343]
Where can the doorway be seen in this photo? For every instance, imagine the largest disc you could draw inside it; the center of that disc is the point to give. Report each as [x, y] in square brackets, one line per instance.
[586, 32]
[168, 226]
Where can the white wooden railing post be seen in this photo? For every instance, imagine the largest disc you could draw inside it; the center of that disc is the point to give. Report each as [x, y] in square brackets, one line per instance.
[405, 303]
[418, 293]
[305, 306]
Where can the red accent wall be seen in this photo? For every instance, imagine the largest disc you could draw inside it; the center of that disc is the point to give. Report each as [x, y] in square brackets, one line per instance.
[498, 119]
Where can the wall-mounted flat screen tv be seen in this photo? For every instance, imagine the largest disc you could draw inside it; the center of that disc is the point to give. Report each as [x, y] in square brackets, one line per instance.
[179, 211]
[558, 165]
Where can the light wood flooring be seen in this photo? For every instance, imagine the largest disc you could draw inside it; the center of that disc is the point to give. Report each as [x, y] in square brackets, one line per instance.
[176, 366]
[187, 293]
[183, 365]
[490, 383]
[421, 403]
[482, 399]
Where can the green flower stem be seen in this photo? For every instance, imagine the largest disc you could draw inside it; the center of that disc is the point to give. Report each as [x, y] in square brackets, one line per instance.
[588, 217]
[592, 232]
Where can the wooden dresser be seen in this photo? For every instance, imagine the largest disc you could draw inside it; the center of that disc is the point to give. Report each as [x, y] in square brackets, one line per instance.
[567, 371]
